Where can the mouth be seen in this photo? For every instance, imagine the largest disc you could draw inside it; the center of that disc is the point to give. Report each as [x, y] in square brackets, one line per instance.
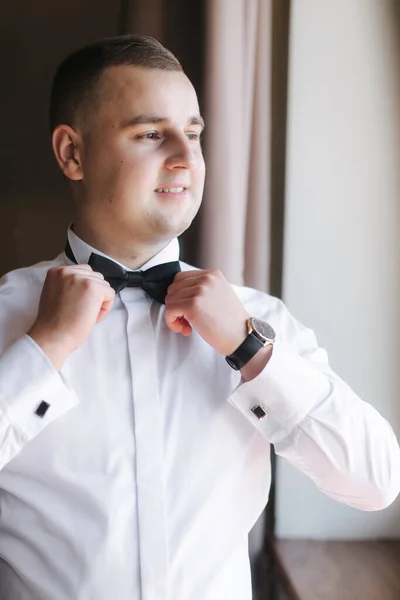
[172, 191]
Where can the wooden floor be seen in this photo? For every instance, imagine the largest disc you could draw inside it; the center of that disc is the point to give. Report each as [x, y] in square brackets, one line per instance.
[334, 570]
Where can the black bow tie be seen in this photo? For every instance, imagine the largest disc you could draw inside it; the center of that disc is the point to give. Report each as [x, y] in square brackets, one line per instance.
[154, 281]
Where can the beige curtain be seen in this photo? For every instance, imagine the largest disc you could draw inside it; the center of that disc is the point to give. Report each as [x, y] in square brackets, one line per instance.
[236, 211]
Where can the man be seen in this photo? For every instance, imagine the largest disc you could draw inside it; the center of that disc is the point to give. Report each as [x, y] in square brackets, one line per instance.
[134, 457]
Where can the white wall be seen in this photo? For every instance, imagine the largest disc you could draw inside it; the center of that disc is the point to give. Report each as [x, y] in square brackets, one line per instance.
[342, 235]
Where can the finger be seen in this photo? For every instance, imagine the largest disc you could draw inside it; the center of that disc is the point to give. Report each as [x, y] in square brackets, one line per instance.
[99, 277]
[174, 312]
[107, 304]
[198, 278]
[109, 294]
[84, 274]
[84, 270]
[184, 293]
[187, 278]
[73, 268]
[184, 275]
[92, 272]
[185, 327]
[95, 277]
[179, 325]
[87, 270]
[180, 310]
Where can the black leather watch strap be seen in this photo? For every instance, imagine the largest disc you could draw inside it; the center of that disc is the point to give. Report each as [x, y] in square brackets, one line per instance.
[238, 359]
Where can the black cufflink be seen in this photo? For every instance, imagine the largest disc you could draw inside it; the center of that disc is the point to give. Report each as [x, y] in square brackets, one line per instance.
[42, 409]
[259, 411]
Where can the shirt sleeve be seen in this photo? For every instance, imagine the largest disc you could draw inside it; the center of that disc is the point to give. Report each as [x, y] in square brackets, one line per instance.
[32, 394]
[319, 424]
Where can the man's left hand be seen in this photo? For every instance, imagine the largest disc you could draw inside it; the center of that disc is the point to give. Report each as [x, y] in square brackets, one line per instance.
[206, 301]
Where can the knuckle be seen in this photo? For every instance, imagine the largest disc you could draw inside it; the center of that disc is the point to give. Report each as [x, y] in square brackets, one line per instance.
[208, 278]
[216, 273]
[55, 271]
[74, 277]
[87, 284]
[64, 271]
[201, 289]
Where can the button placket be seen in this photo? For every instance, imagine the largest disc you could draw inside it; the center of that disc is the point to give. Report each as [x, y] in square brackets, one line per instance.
[152, 525]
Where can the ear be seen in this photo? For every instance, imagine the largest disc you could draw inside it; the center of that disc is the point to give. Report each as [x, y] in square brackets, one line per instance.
[66, 143]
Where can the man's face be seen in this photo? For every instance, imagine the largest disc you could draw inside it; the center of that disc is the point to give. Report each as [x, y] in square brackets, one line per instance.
[143, 168]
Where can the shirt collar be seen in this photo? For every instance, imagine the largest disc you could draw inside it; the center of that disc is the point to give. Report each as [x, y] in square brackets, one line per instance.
[82, 252]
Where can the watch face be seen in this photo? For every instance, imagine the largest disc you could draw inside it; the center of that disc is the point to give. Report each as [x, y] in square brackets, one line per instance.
[263, 329]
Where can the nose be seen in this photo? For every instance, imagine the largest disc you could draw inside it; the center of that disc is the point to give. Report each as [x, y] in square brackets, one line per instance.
[180, 155]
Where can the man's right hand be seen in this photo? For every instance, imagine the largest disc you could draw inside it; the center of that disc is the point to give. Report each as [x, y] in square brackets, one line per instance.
[73, 300]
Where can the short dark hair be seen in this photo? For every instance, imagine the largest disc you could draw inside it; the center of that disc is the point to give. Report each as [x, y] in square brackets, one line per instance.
[78, 76]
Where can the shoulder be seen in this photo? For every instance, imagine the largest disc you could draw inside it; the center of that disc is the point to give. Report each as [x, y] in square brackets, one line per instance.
[20, 292]
[31, 277]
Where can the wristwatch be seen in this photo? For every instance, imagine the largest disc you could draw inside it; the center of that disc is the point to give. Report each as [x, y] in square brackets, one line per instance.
[260, 334]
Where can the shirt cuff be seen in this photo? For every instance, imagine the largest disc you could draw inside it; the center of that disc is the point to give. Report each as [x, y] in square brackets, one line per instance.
[286, 390]
[32, 392]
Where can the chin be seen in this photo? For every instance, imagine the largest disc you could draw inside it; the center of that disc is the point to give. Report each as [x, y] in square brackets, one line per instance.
[172, 228]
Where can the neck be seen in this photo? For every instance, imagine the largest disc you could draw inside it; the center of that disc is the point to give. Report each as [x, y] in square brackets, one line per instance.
[133, 254]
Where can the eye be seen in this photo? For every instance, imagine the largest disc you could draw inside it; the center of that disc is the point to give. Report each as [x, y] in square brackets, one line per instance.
[192, 135]
[151, 135]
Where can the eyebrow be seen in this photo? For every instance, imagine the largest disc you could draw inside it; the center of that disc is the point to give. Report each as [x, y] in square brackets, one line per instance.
[154, 120]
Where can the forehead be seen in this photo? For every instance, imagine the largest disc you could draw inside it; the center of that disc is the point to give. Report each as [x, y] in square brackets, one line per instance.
[127, 91]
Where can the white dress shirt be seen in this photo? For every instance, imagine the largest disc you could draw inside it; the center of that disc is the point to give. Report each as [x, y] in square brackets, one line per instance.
[148, 470]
